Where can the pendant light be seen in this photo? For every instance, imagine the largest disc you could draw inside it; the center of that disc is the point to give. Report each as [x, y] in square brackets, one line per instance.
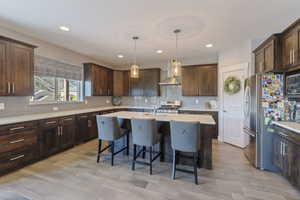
[176, 64]
[134, 70]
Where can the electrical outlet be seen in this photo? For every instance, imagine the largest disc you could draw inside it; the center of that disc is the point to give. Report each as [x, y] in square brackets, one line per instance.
[55, 108]
[2, 106]
[146, 100]
[197, 101]
[107, 101]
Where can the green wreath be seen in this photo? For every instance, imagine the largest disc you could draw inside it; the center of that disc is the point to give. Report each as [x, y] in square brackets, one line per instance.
[232, 85]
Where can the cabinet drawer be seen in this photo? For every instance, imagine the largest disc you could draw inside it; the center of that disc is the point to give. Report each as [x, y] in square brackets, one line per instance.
[18, 140]
[67, 120]
[16, 159]
[15, 128]
[49, 123]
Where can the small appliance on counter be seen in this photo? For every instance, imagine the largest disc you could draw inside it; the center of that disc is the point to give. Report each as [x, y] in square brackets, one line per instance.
[212, 104]
[116, 101]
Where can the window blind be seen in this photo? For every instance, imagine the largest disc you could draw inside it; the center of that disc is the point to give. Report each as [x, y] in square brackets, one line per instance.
[49, 67]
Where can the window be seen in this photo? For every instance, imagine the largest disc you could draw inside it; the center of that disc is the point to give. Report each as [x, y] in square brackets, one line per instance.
[55, 81]
[48, 89]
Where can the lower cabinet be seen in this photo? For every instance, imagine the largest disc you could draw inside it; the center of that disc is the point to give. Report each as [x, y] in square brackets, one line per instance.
[56, 135]
[92, 126]
[286, 154]
[19, 145]
[82, 128]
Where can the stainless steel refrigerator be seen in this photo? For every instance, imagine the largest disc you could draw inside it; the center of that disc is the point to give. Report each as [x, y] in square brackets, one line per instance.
[263, 103]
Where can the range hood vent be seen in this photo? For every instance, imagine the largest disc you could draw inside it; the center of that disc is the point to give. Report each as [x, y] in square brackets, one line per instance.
[170, 81]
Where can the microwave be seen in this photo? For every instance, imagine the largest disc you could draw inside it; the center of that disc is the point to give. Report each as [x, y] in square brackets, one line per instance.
[292, 86]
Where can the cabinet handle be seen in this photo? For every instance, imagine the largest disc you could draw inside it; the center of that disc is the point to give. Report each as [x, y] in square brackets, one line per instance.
[13, 88]
[51, 122]
[17, 128]
[61, 130]
[16, 141]
[58, 131]
[16, 158]
[83, 117]
[68, 119]
[89, 123]
[8, 87]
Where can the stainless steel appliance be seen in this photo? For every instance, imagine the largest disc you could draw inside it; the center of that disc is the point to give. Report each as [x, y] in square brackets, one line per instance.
[293, 85]
[169, 107]
[263, 103]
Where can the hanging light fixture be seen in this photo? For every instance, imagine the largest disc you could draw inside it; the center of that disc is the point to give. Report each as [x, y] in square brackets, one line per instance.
[176, 64]
[134, 70]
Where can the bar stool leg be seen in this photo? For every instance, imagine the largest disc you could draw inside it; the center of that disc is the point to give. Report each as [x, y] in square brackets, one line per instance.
[150, 160]
[134, 157]
[127, 141]
[174, 164]
[112, 152]
[195, 168]
[144, 152]
[99, 150]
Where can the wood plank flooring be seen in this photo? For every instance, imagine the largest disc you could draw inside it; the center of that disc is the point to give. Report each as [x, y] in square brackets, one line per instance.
[75, 175]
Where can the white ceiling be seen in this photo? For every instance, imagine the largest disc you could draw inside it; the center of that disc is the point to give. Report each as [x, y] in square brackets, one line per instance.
[102, 29]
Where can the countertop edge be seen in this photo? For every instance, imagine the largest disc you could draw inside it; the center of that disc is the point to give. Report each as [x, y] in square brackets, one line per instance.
[280, 124]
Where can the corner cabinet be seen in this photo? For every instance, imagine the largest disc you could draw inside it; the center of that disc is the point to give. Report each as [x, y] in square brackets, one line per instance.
[268, 55]
[98, 80]
[16, 68]
[200, 80]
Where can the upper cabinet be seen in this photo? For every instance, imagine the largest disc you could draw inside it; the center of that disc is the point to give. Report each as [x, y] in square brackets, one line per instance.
[121, 83]
[16, 68]
[280, 52]
[291, 46]
[200, 80]
[146, 84]
[268, 55]
[98, 80]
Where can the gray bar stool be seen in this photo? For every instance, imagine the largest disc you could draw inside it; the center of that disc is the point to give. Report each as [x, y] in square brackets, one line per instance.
[109, 129]
[145, 134]
[185, 137]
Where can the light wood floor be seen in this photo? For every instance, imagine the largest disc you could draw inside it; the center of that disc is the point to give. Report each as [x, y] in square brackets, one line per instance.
[74, 175]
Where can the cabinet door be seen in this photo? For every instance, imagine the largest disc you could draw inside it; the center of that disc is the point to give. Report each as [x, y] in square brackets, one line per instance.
[92, 126]
[126, 83]
[207, 81]
[151, 78]
[269, 57]
[290, 48]
[296, 172]
[110, 83]
[4, 76]
[96, 83]
[67, 132]
[81, 129]
[259, 61]
[190, 81]
[49, 141]
[118, 83]
[21, 69]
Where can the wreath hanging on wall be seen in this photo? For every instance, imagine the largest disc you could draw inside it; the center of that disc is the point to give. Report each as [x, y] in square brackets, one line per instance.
[232, 85]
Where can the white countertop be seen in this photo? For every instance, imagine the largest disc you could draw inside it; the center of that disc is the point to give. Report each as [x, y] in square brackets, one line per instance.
[165, 117]
[292, 126]
[33, 117]
[199, 109]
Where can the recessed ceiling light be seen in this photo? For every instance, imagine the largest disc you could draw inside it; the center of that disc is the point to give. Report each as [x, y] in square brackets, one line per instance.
[64, 28]
[209, 45]
[120, 56]
[159, 51]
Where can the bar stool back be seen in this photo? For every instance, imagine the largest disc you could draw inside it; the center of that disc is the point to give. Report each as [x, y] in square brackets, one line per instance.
[185, 137]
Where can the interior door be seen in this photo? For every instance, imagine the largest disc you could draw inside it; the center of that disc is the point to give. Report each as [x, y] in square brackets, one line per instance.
[233, 109]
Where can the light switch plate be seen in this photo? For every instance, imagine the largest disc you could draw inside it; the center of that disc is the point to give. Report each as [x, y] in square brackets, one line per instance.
[55, 108]
[197, 101]
[2, 106]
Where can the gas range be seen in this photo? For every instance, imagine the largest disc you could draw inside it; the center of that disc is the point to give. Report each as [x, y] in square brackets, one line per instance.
[169, 107]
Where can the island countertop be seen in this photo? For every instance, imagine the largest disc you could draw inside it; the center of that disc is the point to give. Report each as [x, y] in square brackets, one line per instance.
[165, 117]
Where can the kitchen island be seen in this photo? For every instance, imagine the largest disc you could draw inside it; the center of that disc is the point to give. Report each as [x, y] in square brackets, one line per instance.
[205, 153]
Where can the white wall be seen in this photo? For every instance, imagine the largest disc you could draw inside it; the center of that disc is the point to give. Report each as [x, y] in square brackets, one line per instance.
[49, 50]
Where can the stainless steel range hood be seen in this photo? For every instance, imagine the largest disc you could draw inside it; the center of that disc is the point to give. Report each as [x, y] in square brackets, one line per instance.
[170, 81]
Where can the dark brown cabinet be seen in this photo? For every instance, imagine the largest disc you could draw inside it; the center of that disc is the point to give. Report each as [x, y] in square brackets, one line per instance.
[286, 154]
[67, 132]
[98, 80]
[268, 55]
[121, 83]
[92, 126]
[200, 80]
[19, 145]
[82, 132]
[16, 67]
[146, 84]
